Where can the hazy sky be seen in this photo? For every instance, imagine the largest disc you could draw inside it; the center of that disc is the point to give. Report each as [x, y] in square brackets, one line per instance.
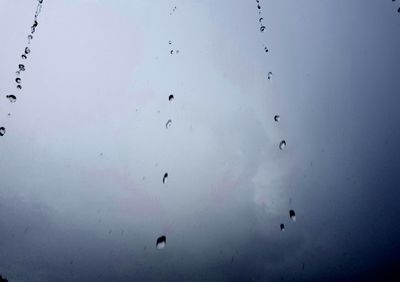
[86, 144]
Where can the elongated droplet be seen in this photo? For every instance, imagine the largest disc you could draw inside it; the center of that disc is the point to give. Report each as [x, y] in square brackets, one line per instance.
[262, 28]
[21, 67]
[164, 180]
[282, 227]
[277, 118]
[171, 52]
[2, 131]
[269, 75]
[171, 97]
[18, 80]
[258, 7]
[27, 50]
[292, 215]
[161, 242]
[11, 98]
[282, 145]
[261, 19]
[168, 124]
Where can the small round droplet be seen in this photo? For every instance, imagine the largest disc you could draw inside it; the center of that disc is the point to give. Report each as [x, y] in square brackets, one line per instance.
[171, 52]
[266, 49]
[21, 67]
[168, 124]
[262, 28]
[161, 242]
[258, 7]
[27, 50]
[11, 98]
[171, 97]
[2, 131]
[292, 215]
[19, 86]
[170, 42]
[282, 145]
[282, 227]
[261, 19]
[23, 56]
[277, 118]
[18, 80]
[164, 180]
[269, 75]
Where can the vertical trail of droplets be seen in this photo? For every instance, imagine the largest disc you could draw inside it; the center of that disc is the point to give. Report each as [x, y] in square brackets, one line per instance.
[162, 240]
[282, 144]
[25, 55]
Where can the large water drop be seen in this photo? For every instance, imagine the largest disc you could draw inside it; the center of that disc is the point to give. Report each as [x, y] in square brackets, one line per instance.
[161, 242]
[2, 131]
[11, 98]
[292, 215]
[282, 145]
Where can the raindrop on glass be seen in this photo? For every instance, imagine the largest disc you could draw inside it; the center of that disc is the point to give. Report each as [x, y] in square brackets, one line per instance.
[262, 28]
[277, 118]
[171, 97]
[171, 52]
[17, 73]
[18, 80]
[161, 242]
[2, 131]
[11, 98]
[266, 49]
[30, 37]
[164, 180]
[258, 7]
[19, 86]
[282, 227]
[269, 75]
[23, 56]
[282, 145]
[170, 42]
[292, 215]
[261, 19]
[27, 50]
[168, 124]
[21, 67]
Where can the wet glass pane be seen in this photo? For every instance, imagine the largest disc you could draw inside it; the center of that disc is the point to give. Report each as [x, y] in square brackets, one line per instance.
[199, 140]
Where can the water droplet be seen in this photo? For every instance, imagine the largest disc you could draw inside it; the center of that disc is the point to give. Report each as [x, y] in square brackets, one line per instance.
[27, 50]
[21, 67]
[170, 42]
[282, 145]
[11, 98]
[164, 180]
[171, 97]
[269, 75]
[261, 19]
[30, 37]
[168, 124]
[262, 28]
[266, 49]
[18, 80]
[17, 73]
[282, 227]
[9, 114]
[19, 86]
[23, 56]
[177, 51]
[161, 242]
[40, 1]
[398, 10]
[172, 52]
[277, 118]
[2, 131]
[258, 7]
[292, 215]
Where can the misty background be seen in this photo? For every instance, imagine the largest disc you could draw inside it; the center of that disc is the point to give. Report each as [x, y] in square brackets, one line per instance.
[86, 143]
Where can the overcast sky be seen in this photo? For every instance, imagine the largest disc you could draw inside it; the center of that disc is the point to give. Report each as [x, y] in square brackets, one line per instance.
[86, 145]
